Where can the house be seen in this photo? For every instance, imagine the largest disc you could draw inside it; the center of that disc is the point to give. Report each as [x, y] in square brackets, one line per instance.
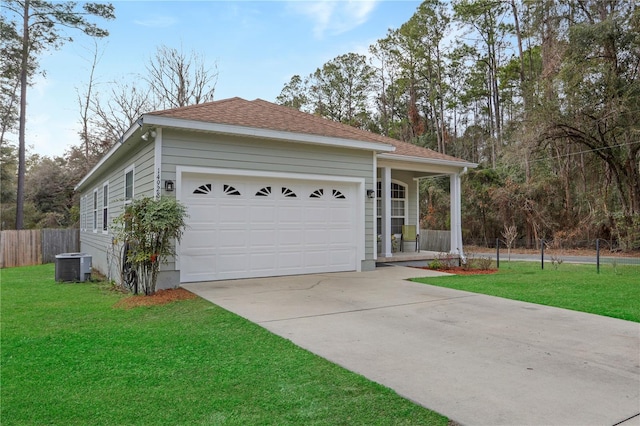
[269, 191]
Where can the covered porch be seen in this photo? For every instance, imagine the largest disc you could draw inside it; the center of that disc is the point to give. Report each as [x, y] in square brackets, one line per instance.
[398, 203]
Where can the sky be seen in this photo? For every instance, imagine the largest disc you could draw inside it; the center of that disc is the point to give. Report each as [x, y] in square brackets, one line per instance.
[257, 46]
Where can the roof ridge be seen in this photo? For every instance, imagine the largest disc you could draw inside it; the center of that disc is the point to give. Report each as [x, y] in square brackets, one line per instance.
[356, 132]
[325, 121]
[197, 106]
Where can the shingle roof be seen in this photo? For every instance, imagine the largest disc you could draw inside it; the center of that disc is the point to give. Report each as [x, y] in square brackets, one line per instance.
[266, 115]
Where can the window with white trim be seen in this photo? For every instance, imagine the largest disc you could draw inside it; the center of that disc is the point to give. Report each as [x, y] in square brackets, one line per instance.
[95, 210]
[398, 206]
[105, 207]
[83, 213]
[129, 184]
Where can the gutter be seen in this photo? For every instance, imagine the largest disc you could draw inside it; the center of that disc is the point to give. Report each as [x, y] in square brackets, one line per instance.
[422, 160]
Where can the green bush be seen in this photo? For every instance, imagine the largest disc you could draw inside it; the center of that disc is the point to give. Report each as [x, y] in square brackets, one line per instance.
[150, 227]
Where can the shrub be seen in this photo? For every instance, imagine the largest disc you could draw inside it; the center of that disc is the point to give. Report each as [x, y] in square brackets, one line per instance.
[151, 227]
[435, 264]
[484, 262]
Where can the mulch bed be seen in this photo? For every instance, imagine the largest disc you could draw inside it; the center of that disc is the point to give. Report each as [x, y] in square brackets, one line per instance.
[161, 297]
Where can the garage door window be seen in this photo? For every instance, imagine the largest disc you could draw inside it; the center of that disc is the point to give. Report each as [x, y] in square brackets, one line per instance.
[230, 190]
[203, 189]
[338, 195]
[264, 192]
[288, 193]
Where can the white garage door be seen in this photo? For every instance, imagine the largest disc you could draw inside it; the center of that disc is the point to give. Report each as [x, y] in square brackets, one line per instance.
[241, 227]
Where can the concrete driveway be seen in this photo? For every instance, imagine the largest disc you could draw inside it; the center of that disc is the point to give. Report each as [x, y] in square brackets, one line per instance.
[479, 360]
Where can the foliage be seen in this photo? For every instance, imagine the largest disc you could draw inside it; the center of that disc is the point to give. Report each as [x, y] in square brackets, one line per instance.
[8, 163]
[592, 96]
[173, 79]
[339, 90]
[32, 28]
[543, 95]
[436, 264]
[69, 358]
[576, 287]
[150, 227]
[481, 262]
[627, 230]
[177, 79]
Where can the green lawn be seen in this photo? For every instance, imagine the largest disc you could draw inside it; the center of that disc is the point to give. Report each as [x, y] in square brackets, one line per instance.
[613, 292]
[68, 357]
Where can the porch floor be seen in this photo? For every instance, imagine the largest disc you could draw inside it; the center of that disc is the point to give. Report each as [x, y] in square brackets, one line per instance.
[410, 256]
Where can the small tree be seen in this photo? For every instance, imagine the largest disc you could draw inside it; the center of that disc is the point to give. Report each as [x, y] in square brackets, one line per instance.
[509, 234]
[150, 227]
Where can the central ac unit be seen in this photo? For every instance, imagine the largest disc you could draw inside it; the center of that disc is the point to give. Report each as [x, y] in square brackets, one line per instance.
[73, 267]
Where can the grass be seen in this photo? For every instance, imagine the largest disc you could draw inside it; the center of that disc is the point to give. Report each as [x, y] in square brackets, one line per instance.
[615, 292]
[70, 358]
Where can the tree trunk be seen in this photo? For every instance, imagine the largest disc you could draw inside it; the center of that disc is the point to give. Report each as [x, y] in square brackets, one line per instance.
[23, 112]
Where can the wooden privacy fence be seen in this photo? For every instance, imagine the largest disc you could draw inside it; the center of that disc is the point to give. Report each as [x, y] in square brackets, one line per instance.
[36, 246]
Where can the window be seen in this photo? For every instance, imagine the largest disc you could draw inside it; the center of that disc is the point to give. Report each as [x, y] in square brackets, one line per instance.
[398, 206]
[128, 184]
[338, 195]
[83, 213]
[318, 193]
[105, 207]
[264, 192]
[95, 210]
[203, 189]
[288, 193]
[230, 190]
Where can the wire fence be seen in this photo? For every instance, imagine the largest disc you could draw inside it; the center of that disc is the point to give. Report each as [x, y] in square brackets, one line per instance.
[549, 252]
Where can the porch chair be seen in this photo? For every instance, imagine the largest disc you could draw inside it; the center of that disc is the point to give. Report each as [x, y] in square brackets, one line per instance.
[409, 235]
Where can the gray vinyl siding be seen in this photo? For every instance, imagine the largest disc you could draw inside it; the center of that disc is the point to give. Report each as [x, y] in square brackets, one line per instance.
[105, 255]
[220, 151]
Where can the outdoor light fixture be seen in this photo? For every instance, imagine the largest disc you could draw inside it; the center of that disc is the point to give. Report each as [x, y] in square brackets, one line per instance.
[168, 185]
[147, 135]
[371, 193]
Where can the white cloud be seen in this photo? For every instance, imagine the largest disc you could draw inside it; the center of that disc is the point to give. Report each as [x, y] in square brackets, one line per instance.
[334, 17]
[156, 22]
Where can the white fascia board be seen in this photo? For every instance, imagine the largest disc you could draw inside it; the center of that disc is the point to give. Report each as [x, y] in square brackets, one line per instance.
[180, 123]
[433, 161]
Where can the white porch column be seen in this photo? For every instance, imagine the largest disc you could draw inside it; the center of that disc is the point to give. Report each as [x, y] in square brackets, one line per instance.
[385, 232]
[456, 215]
